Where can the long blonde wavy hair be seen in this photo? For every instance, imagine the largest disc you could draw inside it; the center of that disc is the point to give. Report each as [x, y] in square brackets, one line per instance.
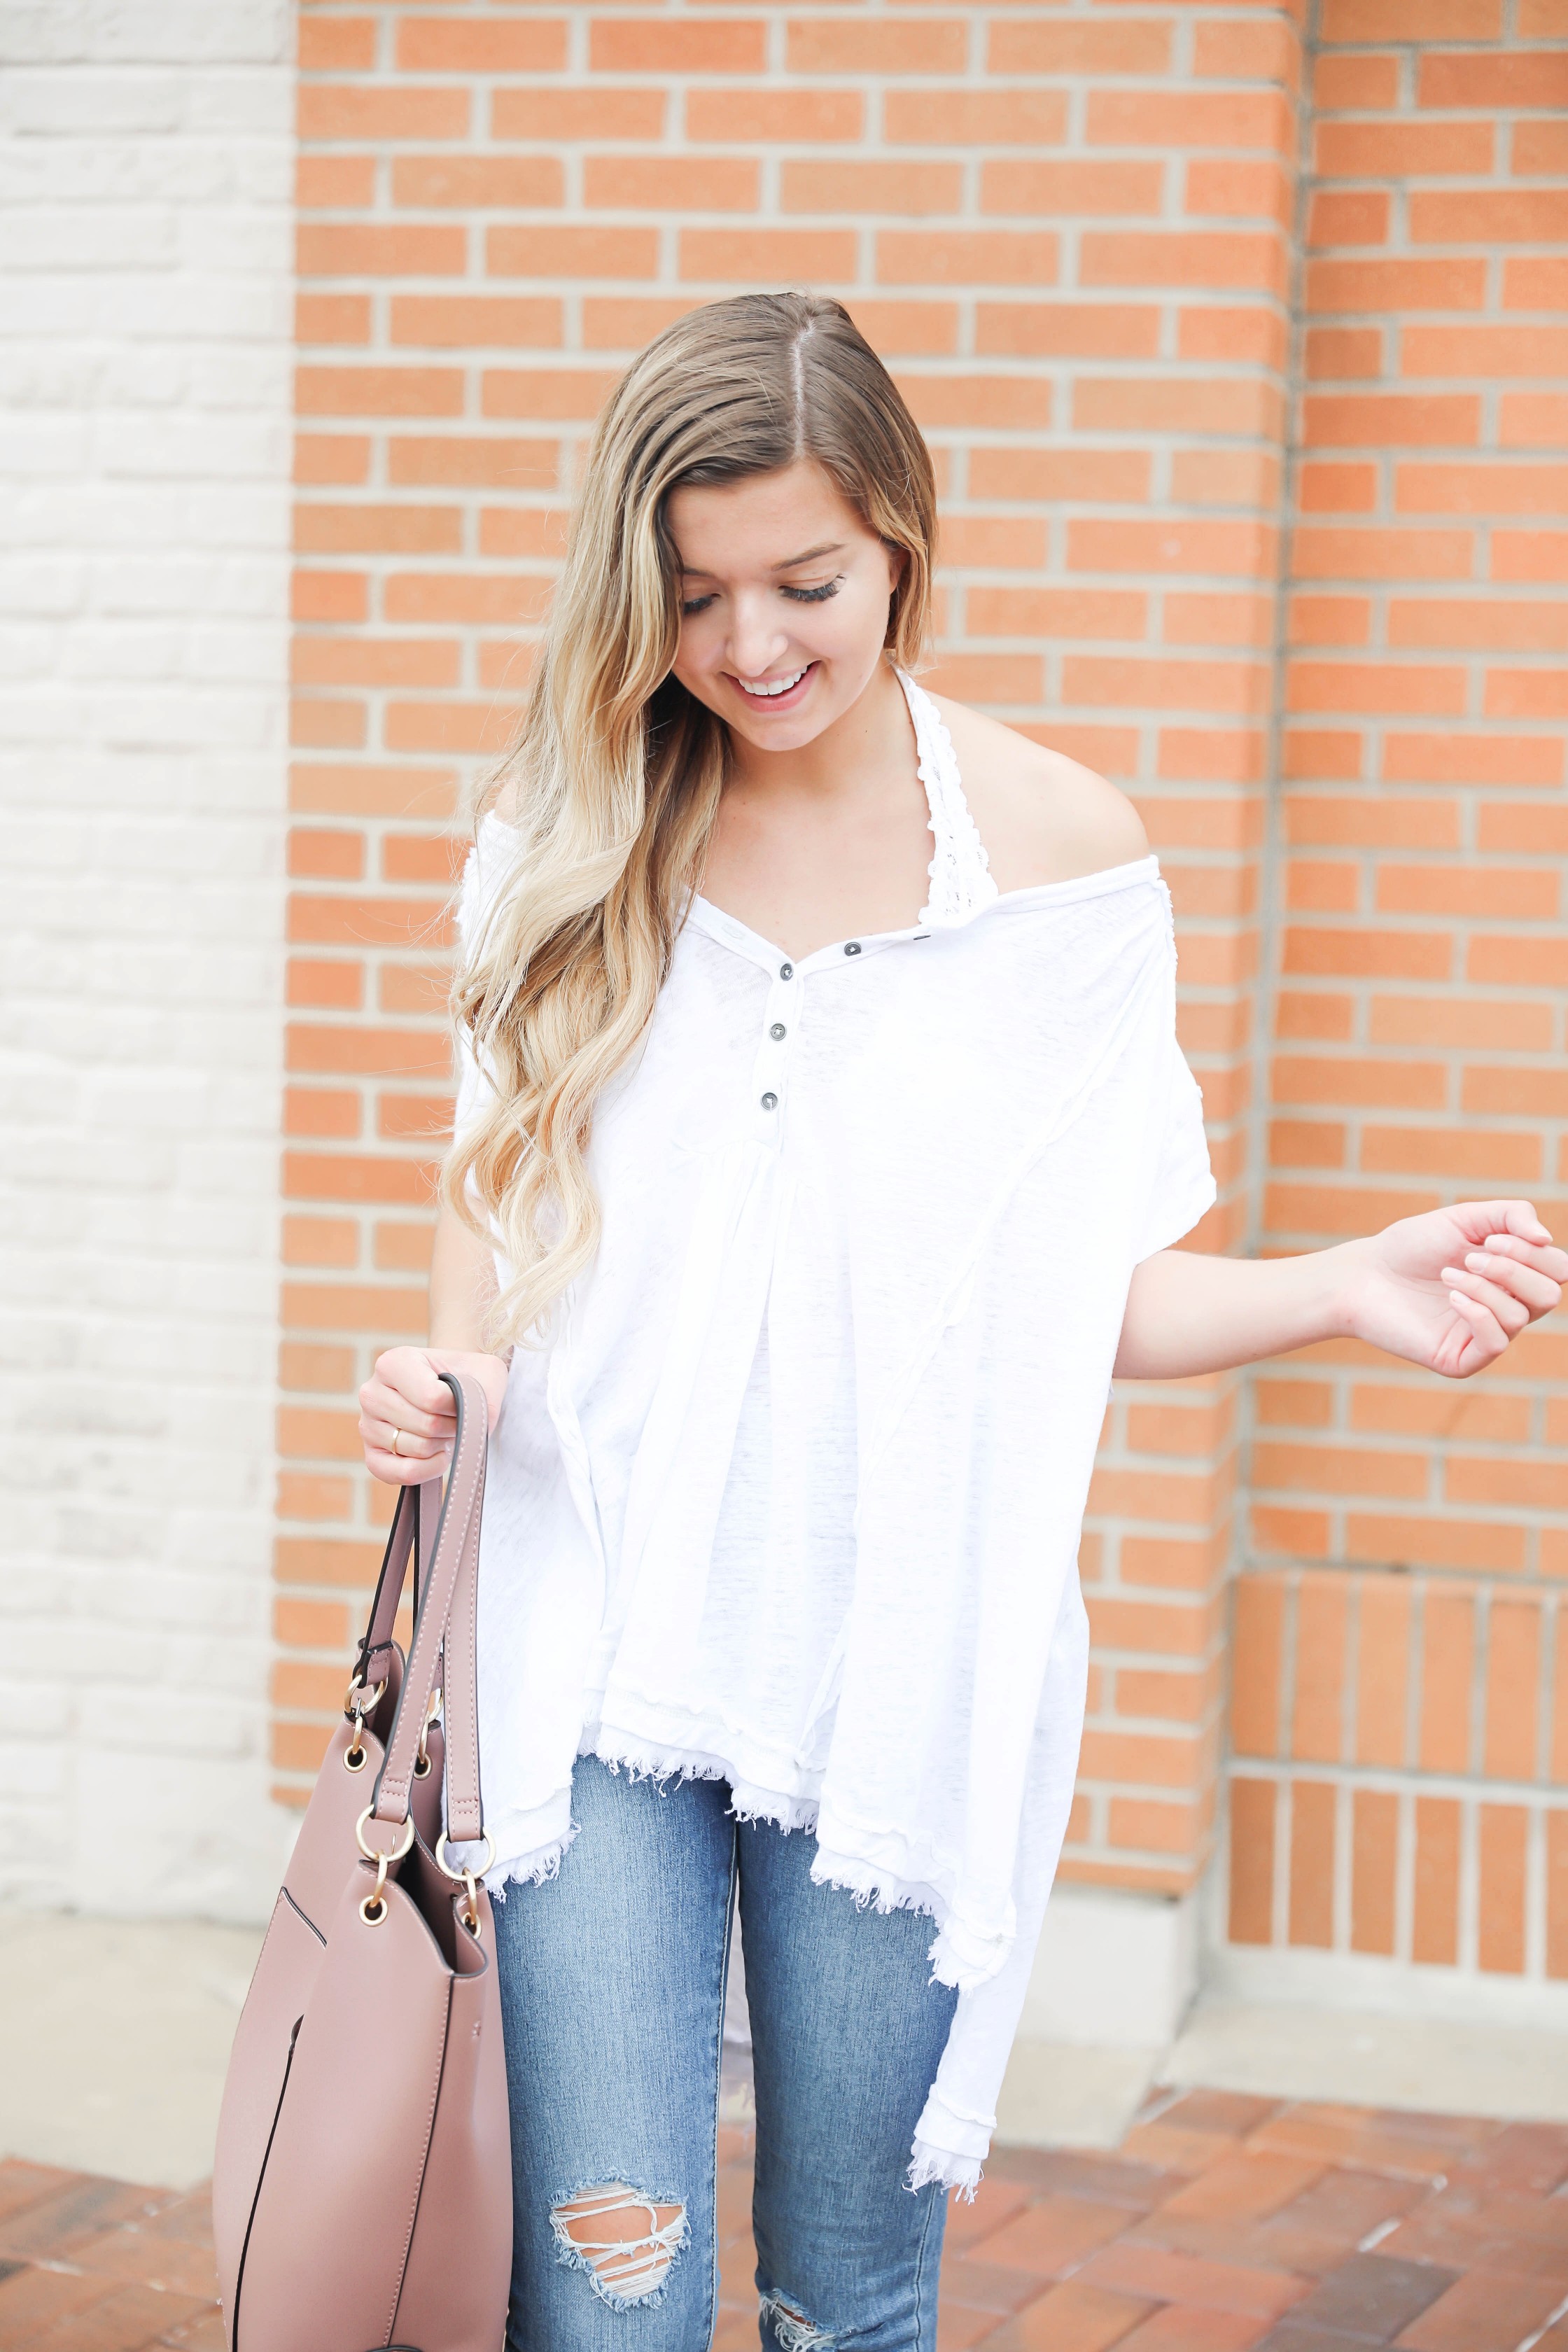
[615, 771]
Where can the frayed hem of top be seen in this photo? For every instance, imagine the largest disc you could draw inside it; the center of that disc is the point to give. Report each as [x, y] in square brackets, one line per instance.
[784, 1814]
[528, 1869]
[874, 1889]
[938, 2168]
[647, 1764]
[869, 1890]
[754, 1805]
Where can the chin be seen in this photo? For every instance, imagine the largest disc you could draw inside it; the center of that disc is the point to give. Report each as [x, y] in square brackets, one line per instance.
[784, 736]
[789, 734]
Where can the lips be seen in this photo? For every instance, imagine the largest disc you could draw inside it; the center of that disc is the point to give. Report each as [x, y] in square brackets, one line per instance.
[772, 693]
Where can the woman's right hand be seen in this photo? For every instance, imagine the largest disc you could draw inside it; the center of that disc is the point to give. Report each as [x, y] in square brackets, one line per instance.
[407, 1420]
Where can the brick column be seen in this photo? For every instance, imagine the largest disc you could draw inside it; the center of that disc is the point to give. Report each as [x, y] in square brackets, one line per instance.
[1400, 1719]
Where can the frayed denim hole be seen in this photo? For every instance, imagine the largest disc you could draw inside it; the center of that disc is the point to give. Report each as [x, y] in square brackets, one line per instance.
[635, 2287]
[796, 2333]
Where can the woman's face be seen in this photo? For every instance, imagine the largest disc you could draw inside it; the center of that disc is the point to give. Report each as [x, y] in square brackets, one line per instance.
[784, 597]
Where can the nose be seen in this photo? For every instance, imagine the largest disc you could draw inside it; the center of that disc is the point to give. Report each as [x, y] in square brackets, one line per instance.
[756, 637]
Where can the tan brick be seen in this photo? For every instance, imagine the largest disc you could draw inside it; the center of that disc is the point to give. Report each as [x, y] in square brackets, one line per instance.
[691, 183]
[548, 113]
[334, 182]
[468, 45]
[968, 117]
[368, 248]
[966, 257]
[363, 111]
[906, 46]
[648, 45]
[1252, 1836]
[771, 256]
[571, 251]
[476, 183]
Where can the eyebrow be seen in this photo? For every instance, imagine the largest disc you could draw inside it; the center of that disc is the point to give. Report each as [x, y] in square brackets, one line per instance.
[790, 564]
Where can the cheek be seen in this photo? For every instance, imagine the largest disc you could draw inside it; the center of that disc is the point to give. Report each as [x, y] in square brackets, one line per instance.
[696, 646]
[699, 661]
[857, 615]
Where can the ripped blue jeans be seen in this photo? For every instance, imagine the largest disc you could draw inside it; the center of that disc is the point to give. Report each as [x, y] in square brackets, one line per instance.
[612, 1981]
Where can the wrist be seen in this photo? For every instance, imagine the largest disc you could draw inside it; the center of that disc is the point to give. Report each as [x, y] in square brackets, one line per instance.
[1344, 1270]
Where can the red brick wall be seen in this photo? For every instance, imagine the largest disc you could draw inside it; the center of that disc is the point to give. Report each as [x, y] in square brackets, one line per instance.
[1071, 230]
[1398, 1715]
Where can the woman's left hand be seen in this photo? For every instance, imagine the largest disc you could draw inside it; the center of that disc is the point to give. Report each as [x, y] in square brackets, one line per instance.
[1451, 1289]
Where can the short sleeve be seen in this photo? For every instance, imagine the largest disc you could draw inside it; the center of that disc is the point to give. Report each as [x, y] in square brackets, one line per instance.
[1182, 1188]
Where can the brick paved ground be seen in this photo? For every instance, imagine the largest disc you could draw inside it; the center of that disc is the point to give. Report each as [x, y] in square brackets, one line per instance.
[1223, 2223]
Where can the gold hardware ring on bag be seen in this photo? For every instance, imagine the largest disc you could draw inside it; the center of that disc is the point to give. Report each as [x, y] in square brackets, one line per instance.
[357, 1704]
[373, 1910]
[358, 1700]
[467, 1877]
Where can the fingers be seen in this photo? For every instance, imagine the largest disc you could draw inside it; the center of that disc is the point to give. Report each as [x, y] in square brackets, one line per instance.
[389, 1425]
[1487, 1340]
[399, 1469]
[491, 1372]
[1520, 1217]
[1535, 1290]
[406, 1418]
[1509, 1313]
[1513, 1275]
[392, 1437]
[1546, 1258]
[401, 1464]
[1480, 1218]
[414, 1374]
[378, 1403]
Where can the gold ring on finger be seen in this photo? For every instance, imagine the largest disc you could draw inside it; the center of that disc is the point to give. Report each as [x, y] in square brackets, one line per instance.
[396, 1434]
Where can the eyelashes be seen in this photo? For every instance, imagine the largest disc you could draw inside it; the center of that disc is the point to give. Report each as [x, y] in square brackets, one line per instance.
[797, 596]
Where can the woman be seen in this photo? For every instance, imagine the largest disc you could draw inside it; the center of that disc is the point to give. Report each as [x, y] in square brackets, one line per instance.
[821, 1145]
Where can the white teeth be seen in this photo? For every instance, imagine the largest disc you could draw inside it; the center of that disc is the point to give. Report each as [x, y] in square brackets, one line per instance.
[766, 688]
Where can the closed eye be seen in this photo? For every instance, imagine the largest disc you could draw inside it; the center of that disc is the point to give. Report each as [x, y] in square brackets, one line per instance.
[693, 605]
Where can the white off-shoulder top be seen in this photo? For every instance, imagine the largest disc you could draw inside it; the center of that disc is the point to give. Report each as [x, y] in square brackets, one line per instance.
[793, 1497]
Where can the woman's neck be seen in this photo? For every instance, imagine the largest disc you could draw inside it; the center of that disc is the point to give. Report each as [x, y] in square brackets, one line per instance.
[867, 747]
[830, 842]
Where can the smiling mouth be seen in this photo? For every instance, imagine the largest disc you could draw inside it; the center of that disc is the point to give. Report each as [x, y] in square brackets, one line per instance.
[768, 689]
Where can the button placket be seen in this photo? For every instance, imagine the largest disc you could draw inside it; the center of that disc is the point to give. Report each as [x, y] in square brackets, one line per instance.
[770, 1071]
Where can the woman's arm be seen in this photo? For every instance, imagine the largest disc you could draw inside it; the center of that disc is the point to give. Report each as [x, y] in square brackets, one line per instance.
[404, 1397]
[1448, 1291]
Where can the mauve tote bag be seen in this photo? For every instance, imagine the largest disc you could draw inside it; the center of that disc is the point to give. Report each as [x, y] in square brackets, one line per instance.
[361, 2193]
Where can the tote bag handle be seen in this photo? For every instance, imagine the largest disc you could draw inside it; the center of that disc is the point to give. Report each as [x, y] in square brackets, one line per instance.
[446, 1622]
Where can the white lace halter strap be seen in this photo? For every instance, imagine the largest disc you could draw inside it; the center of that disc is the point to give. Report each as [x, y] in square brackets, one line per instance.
[959, 871]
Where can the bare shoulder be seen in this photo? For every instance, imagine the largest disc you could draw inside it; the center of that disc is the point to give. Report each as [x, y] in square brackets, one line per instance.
[1042, 816]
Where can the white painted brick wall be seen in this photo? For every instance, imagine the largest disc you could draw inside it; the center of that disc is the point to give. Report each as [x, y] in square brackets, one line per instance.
[146, 157]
